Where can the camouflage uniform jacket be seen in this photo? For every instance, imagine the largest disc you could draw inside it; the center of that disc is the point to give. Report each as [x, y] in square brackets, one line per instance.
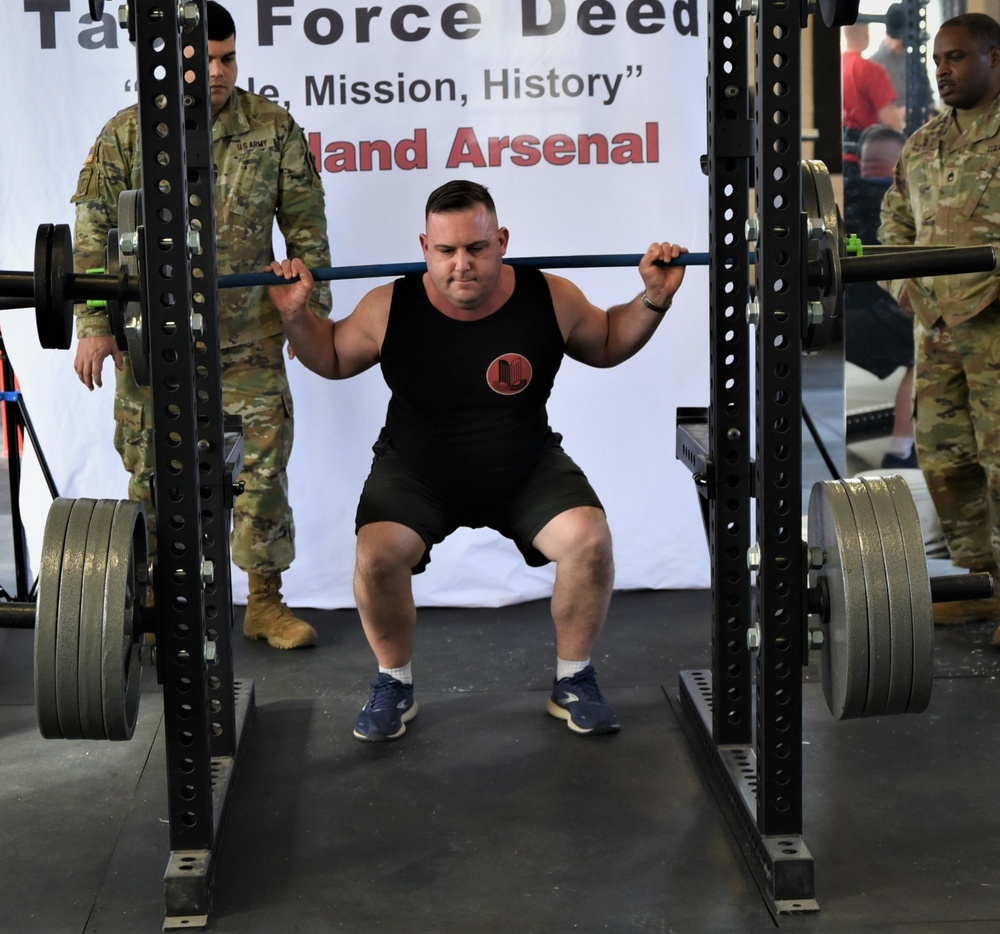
[946, 191]
[264, 171]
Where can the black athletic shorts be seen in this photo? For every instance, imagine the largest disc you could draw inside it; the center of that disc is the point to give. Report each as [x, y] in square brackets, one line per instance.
[393, 494]
[878, 334]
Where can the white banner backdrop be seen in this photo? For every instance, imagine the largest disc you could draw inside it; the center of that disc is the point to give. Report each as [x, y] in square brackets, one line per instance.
[585, 118]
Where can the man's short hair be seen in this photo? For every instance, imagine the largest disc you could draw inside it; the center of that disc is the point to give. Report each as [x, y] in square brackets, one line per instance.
[879, 148]
[459, 195]
[220, 23]
[984, 29]
[895, 21]
[879, 133]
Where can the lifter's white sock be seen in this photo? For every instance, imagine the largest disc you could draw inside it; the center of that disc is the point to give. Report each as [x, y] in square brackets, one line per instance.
[901, 446]
[400, 674]
[566, 669]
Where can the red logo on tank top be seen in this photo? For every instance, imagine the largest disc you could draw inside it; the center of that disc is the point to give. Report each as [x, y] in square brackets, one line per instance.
[509, 374]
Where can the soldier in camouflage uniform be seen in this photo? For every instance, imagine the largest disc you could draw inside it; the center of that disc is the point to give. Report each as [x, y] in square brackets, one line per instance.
[265, 171]
[947, 191]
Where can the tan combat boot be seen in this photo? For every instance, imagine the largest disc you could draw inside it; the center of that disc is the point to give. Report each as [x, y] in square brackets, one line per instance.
[267, 617]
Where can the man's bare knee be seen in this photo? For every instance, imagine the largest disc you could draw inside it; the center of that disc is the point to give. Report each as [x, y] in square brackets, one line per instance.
[595, 555]
[579, 538]
[386, 551]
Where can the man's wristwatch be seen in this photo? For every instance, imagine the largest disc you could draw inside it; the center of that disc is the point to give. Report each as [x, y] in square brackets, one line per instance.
[659, 309]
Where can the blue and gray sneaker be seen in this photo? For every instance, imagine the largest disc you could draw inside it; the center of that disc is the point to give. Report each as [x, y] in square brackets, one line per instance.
[578, 701]
[389, 708]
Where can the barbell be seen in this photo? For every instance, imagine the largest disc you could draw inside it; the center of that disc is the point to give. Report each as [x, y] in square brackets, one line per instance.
[831, 262]
[53, 290]
[868, 582]
[863, 268]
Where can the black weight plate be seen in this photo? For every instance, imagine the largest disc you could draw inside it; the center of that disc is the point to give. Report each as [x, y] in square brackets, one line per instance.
[68, 633]
[922, 608]
[876, 598]
[839, 12]
[43, 243]
[92, 620]
[53, 262]
[60, 314]
[844, 654]
[121, 669]
[900, 607]
[47, 617]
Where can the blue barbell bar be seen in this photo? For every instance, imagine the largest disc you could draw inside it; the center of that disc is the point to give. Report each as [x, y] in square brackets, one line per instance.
[329, 273]
[878, 263]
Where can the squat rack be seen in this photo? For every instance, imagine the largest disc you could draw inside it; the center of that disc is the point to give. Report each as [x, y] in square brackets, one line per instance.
[197, 455]
[205, 709]
[747, 722]
[744, 716]
[92, 618]
[867, 576]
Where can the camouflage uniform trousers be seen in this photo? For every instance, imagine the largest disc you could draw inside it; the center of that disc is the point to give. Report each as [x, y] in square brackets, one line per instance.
[255, 387]
[958, 433]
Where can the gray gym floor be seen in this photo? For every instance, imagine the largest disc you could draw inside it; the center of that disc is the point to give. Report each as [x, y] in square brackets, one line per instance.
[491, 816]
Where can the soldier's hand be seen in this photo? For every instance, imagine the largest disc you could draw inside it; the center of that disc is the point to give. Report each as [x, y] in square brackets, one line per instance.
[904, 301]
[91, 352]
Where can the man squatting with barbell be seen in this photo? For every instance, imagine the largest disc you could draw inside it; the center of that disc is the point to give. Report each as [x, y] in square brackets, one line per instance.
[470, 350]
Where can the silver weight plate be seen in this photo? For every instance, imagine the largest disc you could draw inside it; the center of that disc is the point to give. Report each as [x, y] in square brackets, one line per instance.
[92, 620]
[124, 583]
[876, 597]
[900, 607]
[68, 634]
[129, 221]
[922, 608]
[844, 654]
[47, 617]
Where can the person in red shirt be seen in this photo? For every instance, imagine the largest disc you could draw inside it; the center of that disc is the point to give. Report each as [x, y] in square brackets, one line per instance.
[869, 95]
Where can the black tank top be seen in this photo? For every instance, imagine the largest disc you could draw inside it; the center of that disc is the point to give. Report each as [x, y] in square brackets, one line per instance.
[467, 413]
